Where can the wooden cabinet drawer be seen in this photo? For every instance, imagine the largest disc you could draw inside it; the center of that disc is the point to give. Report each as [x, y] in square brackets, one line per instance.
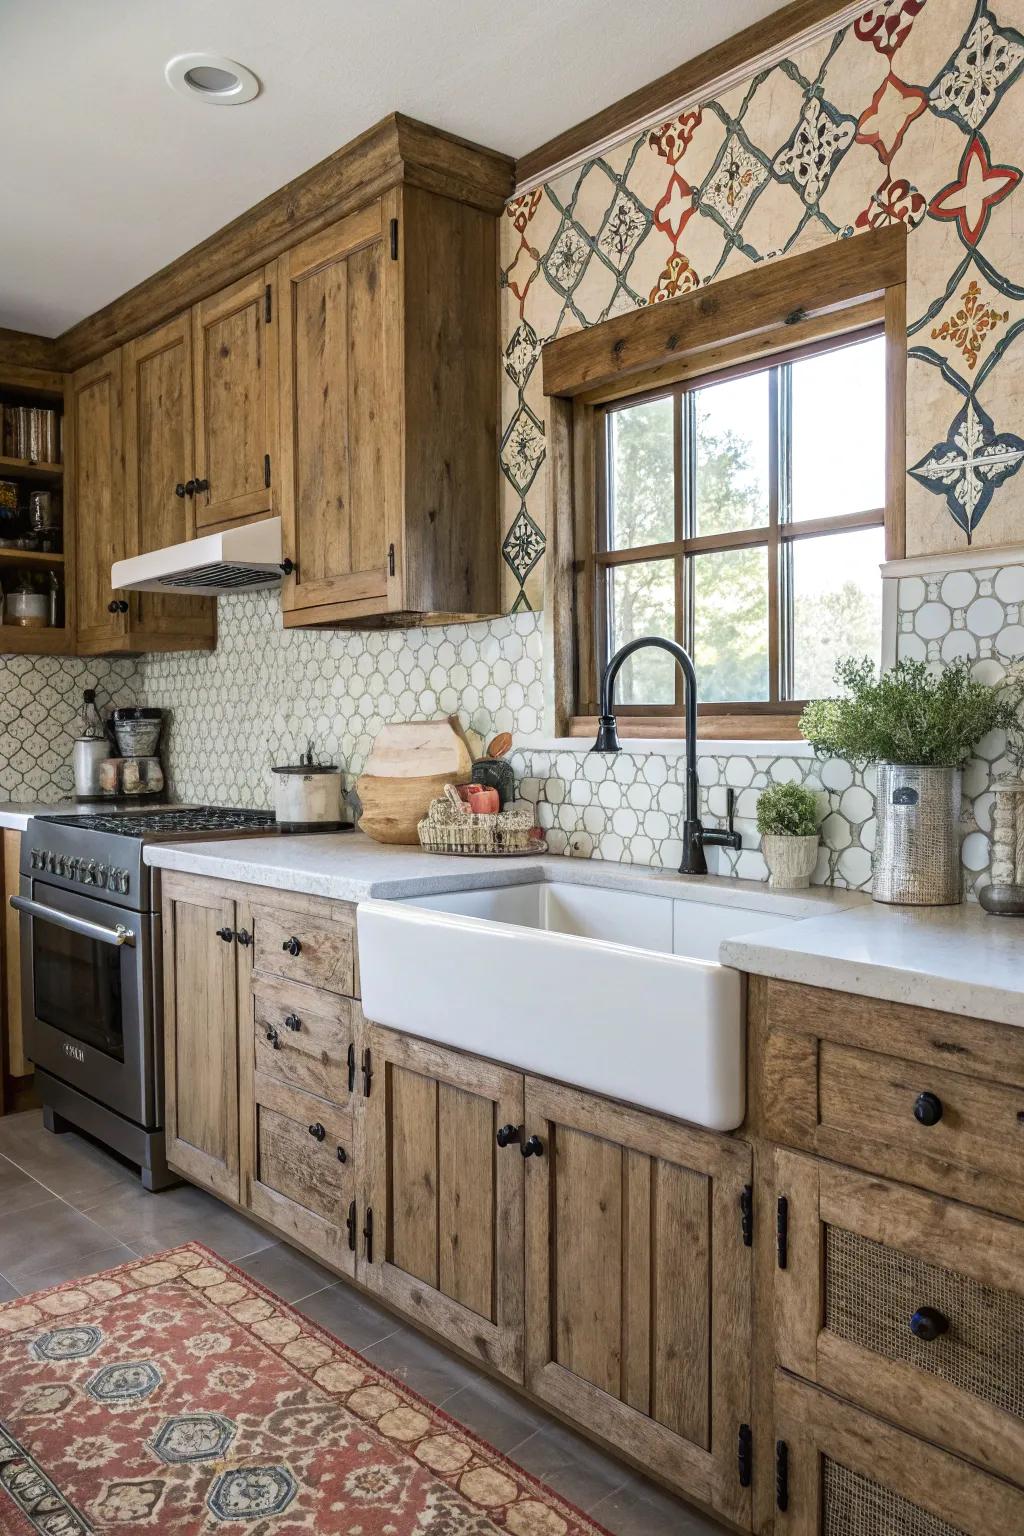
[911, 1305]
[315, 948]
[306, 1038]
[842, 1472]
[301, 1168]
[926, 1098]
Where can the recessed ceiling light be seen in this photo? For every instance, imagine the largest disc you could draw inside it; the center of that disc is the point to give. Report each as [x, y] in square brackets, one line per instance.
[211, 78]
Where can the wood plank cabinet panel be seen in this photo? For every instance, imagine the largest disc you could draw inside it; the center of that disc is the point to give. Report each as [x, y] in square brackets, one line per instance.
[848, 1473]
[306, 1038]
[234, 349]
[906, 1303]
[443, 1204]
[94, 482]
[339, 365]
[201, 992]
[159, 460]
[638, 1285]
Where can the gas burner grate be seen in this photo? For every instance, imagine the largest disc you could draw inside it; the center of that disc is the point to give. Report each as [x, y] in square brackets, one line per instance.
[144, 824]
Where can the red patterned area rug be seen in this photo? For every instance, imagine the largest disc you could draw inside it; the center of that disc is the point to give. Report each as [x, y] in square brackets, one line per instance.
[176, 1395]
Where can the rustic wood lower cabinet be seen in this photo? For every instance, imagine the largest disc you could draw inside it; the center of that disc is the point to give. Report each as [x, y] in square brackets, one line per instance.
[804, 1347]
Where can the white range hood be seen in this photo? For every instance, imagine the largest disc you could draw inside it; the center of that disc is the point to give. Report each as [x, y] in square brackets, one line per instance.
[237, 560]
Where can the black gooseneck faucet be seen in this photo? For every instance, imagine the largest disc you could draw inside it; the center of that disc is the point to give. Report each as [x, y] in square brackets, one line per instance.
[695, 836]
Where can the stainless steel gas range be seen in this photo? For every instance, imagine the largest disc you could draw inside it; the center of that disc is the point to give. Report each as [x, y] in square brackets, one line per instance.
[91, 968]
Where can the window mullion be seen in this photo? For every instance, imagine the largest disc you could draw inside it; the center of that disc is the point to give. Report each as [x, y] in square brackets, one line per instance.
[681, 437]
[784, 564]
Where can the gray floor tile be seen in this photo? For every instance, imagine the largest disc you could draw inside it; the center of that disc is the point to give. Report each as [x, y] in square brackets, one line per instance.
[572, 1466]
[19, 1189]
[69, 1165]
[351, 1317]
[33, 1277]
[287, 1273]
[421, 1364]
[640, 1508]
[46, 1236]
[151, 1222]
[494, 1413]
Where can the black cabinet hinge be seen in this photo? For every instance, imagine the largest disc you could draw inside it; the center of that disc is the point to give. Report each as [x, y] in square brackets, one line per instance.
[394, 239]
[268, 304]
[367, 1071]
[351, 1066]
[745, 1455]
[747, 1215]
[391, 559]
[368, 1235]
[782, 1231]
[781, 1475]
[266, 470]
[350, 1226]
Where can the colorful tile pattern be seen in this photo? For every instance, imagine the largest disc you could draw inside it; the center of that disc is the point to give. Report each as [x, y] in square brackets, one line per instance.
[912, 114]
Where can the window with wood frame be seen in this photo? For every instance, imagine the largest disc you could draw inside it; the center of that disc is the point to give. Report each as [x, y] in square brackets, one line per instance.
[738, 499]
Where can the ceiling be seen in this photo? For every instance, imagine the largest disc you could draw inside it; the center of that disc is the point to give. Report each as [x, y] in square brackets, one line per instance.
[110, 175]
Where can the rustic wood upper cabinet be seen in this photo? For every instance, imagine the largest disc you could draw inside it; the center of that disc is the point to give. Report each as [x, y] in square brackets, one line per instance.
[638, 1286]
[159, 474]
[235, 372]
[388, 334]
[94, 481]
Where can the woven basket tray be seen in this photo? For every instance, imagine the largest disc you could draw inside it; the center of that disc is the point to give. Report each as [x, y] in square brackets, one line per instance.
[451, 827]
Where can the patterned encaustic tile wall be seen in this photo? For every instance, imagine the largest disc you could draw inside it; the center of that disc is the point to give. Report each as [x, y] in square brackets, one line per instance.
[40, 707]
[911, 113]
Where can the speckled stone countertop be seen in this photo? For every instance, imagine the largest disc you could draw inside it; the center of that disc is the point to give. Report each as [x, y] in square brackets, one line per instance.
[15, 815]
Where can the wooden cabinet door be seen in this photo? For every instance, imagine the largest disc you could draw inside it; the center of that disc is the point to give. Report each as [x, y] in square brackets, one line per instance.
[201, 991]
[908, 1304]
[842, 1472]
[340, 373]
[159, 458]
[94, 475]
[442, 1219]
[638, 1286]
[235, 373]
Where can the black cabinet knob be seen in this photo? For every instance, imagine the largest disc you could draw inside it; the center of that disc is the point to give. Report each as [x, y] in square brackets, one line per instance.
[532, 1147]
[927, 1109]
[928, 1324]
[179, 490]
[342, 1155]
[227, 934]
[117, 605]
[292, 945]
[199, 486]
[272, 1037]
[244, 938]
[293, 1022]
[506, 1135]
[317, 1131]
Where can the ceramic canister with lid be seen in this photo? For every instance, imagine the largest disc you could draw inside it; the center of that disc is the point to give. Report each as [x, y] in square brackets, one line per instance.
[307, 795]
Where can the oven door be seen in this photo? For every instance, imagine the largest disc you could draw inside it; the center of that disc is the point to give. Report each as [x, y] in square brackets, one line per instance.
[89, 984]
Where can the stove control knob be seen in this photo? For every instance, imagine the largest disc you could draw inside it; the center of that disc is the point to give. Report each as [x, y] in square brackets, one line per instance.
[51, 862]
[34, 858]
[122, 881]
[90, 872]
[72, 869]
[62, 864]
[101, 874]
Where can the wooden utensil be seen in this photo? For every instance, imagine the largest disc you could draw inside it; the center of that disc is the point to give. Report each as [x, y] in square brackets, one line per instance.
[500, 745]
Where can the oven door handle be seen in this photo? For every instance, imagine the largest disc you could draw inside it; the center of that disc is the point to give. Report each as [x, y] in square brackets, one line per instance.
[116, 936]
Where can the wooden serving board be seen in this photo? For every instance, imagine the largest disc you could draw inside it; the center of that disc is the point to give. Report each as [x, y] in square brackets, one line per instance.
[418, 749]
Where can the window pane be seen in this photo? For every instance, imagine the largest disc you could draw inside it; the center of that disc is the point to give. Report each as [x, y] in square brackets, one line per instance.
[731, 427]
[641, 475]
[839, 431]
[837, 605]
[641, 601]
[730, 625]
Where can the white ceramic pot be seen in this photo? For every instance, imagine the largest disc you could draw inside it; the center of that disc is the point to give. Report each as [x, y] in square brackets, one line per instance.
[307, 796]
[790, 860]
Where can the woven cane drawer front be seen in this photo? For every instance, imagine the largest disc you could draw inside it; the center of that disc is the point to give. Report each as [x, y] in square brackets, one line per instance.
[872, 1292]
[853, 1505]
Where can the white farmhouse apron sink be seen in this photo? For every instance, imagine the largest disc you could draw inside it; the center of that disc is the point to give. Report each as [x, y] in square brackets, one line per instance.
[619, 992]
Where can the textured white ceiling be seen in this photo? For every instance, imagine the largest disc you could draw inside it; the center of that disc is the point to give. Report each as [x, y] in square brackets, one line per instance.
[107, 174]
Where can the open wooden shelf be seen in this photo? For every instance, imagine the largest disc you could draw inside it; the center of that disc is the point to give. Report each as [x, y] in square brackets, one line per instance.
[26, 470]
[17, 639]
[31, 557]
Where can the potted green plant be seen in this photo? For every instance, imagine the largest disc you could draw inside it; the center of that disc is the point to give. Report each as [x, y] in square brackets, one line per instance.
[920, 728]
[787, 819]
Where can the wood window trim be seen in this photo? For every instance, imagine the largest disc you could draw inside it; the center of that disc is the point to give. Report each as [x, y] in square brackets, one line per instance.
[761, 314]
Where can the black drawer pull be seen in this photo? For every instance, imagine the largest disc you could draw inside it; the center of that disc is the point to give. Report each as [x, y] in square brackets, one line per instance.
[199, 485]
[350, 1226]
[507, 1134]
[272, 1037]
[317, 1131]
[293, 1022]
[227, 934]
[351, 1066]
[368, 1235]
[292, 945]
[927, 1109]
[532, 1147]
[342, 1155]
[244, 938]
[929, 1324]
[367, 1071]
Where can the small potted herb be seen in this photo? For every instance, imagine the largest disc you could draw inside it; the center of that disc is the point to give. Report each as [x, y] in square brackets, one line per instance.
[787, 819]
[920, 727]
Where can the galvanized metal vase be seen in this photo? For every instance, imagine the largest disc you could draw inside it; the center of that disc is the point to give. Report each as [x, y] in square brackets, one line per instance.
[917, 852]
